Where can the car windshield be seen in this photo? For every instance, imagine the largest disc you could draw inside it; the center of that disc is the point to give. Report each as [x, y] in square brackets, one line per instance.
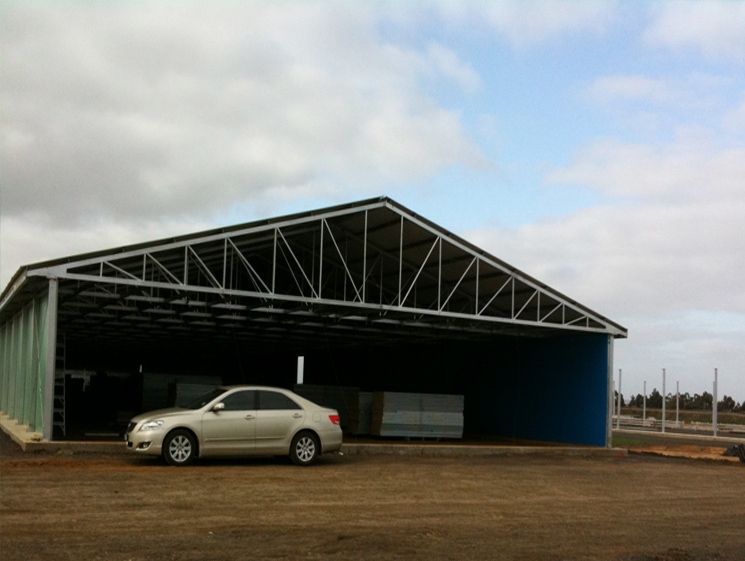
[205, 399]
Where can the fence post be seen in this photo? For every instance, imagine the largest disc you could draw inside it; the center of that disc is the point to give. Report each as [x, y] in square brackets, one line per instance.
[715, 402]
[663, 401]
[618, 418]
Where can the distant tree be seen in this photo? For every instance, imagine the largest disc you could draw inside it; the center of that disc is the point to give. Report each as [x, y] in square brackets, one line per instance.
[703, 402]
[693, 402]
[654, 401]
[685, 400]
[726, 404]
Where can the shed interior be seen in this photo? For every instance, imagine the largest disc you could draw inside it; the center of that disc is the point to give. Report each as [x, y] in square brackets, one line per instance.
[550, 388]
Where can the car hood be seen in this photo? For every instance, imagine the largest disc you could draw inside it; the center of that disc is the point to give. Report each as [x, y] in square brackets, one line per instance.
[160, 413]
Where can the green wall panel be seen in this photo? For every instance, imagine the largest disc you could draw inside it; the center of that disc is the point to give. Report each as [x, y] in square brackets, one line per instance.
[4, 366]
[13, 372]
[23, 348]
[40, 357]
[24, 363]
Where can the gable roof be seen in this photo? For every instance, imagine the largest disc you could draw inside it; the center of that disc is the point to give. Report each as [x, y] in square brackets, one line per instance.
[358, 266]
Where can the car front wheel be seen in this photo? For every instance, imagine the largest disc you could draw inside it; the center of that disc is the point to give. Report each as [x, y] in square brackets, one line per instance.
[180, 448]
[305, 449]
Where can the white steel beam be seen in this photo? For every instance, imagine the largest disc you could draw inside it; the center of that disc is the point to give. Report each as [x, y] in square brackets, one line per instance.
[457, 284]
[343, 262]
[297, 262]
[370, 308]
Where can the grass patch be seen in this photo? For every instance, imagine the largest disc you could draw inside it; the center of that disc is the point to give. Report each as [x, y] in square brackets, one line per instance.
[687, 416]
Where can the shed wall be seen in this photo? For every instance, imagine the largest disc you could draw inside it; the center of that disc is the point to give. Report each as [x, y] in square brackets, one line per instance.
[23, 365]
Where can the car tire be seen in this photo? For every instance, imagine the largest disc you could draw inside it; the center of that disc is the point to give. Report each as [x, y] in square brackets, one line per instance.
[180, 448]
[305, 449]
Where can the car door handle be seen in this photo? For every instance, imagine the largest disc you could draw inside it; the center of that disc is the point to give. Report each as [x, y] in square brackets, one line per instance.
[249, 416]
[297, 415]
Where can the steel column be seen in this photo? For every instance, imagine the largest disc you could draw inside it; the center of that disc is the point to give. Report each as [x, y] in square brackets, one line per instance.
[664, 401]
[364, 262]
[715, 402]
[618, 417]
[400, 260]
[609, 397]
[51, 359]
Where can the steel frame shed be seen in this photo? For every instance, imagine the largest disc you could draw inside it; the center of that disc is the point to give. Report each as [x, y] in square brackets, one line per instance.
[363, 273]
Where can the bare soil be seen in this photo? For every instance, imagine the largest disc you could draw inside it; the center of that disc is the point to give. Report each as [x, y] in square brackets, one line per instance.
[675, 445]
[122, 507]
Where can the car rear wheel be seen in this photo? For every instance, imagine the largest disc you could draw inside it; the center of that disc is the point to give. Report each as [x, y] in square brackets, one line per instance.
[305, 449]
[180, 448]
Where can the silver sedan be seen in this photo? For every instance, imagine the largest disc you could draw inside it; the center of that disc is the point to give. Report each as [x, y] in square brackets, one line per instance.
[236, 421]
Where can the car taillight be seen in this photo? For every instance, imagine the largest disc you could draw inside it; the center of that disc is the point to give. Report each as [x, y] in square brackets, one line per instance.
[335, 419]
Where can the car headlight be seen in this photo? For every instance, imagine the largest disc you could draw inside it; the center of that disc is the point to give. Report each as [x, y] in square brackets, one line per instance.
[152, 425]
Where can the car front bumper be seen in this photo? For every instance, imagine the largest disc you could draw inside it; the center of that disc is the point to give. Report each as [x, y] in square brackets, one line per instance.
[145, 442]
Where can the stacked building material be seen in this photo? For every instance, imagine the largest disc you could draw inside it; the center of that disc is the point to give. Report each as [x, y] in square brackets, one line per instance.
[336, 397]
[360, 413]
[417, 415]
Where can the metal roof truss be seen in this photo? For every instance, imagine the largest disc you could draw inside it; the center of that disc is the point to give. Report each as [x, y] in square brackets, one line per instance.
[356, 272]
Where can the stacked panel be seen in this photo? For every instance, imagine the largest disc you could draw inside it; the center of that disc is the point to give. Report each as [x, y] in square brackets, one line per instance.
[417, 415]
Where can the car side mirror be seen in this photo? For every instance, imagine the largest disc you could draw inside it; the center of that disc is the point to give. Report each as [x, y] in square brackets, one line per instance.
[218, 407]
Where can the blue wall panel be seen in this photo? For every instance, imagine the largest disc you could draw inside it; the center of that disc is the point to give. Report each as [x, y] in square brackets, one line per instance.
[545, 389]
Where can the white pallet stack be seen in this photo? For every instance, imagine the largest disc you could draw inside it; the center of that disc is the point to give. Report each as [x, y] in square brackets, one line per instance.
[417, 415]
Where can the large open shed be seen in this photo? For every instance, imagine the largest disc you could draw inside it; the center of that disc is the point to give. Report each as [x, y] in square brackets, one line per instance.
[370, 294]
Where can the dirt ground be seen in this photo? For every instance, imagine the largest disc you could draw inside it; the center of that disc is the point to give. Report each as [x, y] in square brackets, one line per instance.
[681, 446]
[120, 507]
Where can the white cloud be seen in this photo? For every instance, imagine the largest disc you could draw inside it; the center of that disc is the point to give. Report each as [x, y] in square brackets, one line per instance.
[126, 111]
[656, 105]
[630, 87]
[734, 119]
[531, 22]
[445, 62]
[686, 171]
[35, 239]
[715, 28]
[124, 120]
[620, 88]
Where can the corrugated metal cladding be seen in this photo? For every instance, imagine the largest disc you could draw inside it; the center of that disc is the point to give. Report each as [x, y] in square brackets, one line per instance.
[23, 363]
[373, 295]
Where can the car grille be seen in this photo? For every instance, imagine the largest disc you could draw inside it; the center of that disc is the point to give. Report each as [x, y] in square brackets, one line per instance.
[131, 427]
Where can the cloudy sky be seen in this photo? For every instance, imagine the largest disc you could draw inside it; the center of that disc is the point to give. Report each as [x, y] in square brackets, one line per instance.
[598, 146]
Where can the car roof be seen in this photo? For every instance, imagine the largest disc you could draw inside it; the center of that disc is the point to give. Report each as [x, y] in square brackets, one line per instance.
[253, 387]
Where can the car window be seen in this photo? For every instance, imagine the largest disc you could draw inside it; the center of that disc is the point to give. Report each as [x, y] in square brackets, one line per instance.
[203, 400]
[275, 400]
[240, 401]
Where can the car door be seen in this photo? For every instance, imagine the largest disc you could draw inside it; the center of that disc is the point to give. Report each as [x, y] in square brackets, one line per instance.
[231, 430]
[277, 419]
